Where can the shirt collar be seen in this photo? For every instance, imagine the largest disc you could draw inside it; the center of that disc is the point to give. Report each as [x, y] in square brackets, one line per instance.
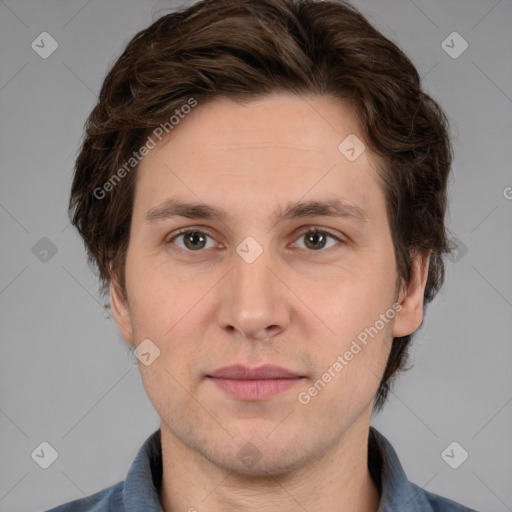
[142, 484]
[397, 493]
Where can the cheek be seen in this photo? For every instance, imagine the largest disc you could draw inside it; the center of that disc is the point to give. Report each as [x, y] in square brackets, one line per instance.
[354, 301]
[169, 311]
[359, 309]
[156, 295]
[349, 377]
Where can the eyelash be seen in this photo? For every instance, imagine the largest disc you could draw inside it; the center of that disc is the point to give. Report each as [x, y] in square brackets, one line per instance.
[310, 230]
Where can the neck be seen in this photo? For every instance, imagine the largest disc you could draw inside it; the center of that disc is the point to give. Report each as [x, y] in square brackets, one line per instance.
[337, 480]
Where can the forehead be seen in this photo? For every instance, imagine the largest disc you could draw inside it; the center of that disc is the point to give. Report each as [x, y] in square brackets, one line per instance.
[267, 151]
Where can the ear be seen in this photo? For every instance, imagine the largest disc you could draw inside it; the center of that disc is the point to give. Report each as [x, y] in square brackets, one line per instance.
[409, 318]
[121, 312]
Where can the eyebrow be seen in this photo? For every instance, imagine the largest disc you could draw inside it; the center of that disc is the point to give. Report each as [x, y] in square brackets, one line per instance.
[337, 208]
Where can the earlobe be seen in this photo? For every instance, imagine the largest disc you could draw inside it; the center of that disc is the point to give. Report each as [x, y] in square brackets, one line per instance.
[410, 317]
[121, 312]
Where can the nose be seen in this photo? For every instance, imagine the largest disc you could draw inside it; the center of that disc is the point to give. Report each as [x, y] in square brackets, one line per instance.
[254, 300]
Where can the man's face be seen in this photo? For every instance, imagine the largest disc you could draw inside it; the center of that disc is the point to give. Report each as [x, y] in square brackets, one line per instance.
[253, 289]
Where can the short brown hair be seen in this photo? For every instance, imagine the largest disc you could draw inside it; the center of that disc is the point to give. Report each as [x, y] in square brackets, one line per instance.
[243, 49]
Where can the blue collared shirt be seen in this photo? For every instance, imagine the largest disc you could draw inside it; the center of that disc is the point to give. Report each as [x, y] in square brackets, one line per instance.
[139, 492]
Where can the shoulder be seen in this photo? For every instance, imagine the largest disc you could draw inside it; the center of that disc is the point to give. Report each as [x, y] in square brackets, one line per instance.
[138, 491]
[439, 503]
[397, 491]
[109, 499]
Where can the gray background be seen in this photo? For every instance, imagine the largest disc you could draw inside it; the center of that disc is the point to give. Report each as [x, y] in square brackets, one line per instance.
[68, 378]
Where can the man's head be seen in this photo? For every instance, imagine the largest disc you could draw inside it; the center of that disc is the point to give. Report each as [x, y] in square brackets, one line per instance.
[246, 106]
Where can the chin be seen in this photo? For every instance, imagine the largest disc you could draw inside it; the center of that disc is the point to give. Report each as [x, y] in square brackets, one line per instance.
[254, 455]
[262, 465]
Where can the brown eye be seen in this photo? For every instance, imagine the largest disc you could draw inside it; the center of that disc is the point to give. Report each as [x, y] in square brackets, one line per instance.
[317, 239]
[192, 240]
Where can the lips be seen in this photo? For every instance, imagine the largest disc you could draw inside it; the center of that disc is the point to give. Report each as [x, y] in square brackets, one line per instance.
[253, 384]
[265, 372]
